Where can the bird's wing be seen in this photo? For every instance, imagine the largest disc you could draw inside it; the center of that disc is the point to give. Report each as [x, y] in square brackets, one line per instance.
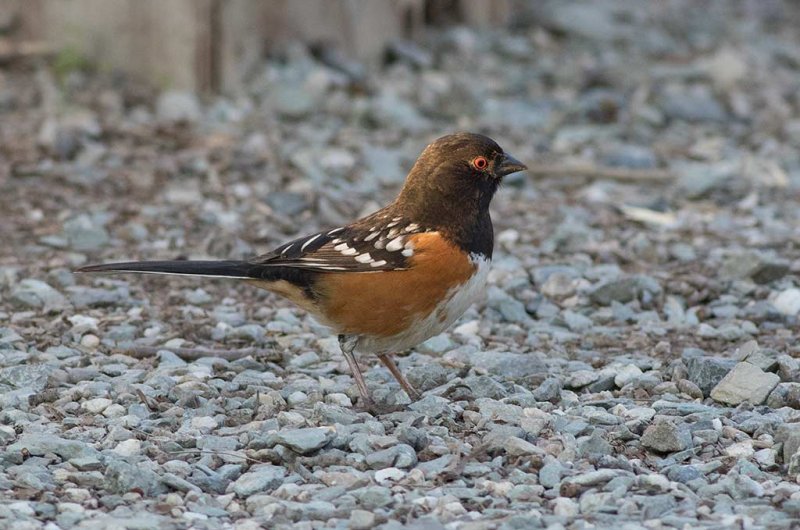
[378, 243]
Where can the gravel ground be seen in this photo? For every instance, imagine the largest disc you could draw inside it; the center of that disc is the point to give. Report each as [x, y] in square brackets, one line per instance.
[635, 363]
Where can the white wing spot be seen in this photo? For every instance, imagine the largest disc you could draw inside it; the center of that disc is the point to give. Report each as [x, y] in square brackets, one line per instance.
[380, 263]
[391, 224]
[342, 247]
[373, 228]
[363, 258]
[408, 252]
[309, 241]
[397, 219]
[392, 233]
[335, 231]
[395, 244]
[372, 236]
[379, 244]
[287, 249]
[349, 252]
[411, 227]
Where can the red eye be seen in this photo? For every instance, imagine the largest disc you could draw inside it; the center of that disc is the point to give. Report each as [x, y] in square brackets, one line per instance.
[480, 163]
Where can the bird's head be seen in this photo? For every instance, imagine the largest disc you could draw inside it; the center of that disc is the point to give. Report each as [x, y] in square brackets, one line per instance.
[458, 172]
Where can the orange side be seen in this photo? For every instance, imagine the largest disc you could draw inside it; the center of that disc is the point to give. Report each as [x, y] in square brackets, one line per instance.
[386, 303]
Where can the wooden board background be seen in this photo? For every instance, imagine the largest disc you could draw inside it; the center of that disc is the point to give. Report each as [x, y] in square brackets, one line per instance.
[211, 45]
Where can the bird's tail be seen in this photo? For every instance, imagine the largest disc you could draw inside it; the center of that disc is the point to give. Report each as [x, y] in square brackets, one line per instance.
[218, 269]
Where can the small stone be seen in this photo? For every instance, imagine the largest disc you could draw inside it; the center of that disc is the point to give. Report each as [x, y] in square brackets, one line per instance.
[787, 302]
[260, 479]
[745, 382]
[401, 455]
[176, 105]
[740, 449]
[86, 463]
[707, 372]
[518, 447]
[665, 437]
[198, 297]
[90, 341]
[436, 345]
[122, 477]
[96, 405]
[27, 376]
[291, 100]
[789, 435]
[627, 374]
[763, 358]
[690, 389]
[624, 290]
[288, 203]
[565, 507]
[305, 441]
[128, 447]
[339, 399]
[785, 395]
[696, 104]
[36, 294]
[550, 475]
[389, 475]
[593, 478]
[512, 310]
[426, 377]
[548, 390]
[204, 423]
[581, 378]
[758, 266]
[361, 520]
[559, 285]
[696, 180]
[576, 322]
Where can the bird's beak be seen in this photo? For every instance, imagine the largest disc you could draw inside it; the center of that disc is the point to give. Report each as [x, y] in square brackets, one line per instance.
[508, 165]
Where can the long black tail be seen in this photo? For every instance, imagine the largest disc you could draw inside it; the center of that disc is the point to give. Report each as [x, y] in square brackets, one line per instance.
[219, 269]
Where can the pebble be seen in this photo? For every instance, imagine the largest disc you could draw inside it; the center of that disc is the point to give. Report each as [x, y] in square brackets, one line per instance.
[665, 437]
[260, 479]
[96, 406]
[745, 382]
[787, 302]
[36, 294]
[128, 447]
[305, 441]
[176, 105]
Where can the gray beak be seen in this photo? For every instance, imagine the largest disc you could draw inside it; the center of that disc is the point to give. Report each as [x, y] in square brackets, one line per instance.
[508, 165]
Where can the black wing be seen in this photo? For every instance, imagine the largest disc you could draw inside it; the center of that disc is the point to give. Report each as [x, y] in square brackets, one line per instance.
[378, 243]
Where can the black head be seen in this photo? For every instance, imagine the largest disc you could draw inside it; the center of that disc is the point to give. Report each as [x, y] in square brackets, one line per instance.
[453, 182]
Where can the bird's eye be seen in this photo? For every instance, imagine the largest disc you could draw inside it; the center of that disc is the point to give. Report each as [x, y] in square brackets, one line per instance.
[480, 163]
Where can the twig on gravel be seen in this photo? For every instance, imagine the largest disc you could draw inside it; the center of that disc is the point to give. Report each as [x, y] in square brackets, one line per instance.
[456, 469]
[214, 453]
[146, 401]
[597, 172]
[189, 354]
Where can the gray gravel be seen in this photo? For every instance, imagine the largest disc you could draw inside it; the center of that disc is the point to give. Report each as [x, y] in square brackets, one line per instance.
[634, 364]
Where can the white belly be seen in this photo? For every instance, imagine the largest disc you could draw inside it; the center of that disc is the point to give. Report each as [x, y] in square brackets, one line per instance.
[457, 300]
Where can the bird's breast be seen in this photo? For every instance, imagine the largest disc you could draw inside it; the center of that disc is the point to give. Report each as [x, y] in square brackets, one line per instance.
[404, 307]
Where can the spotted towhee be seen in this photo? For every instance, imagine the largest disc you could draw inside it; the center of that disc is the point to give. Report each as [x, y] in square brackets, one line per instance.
[393, 279]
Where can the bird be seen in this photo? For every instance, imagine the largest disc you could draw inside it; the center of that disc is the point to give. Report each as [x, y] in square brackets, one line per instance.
[395, 278]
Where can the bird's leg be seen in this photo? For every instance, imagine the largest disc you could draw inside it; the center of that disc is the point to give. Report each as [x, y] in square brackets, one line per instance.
[348, 343]
[387, 361]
